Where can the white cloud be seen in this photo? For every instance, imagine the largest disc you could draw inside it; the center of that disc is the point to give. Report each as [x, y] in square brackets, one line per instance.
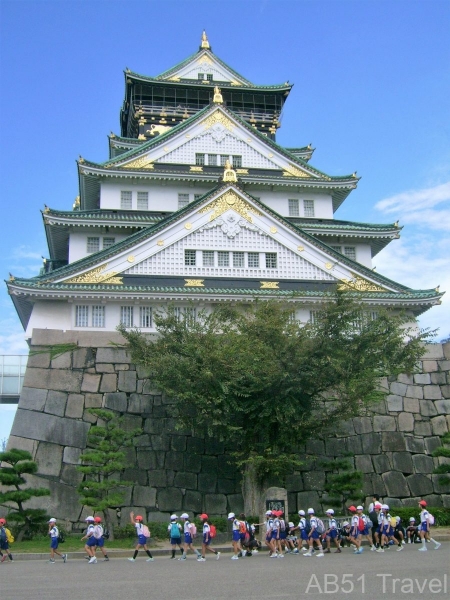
[12, 337]
[24, 261]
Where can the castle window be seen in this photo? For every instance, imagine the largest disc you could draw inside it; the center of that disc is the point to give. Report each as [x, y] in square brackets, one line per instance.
[271, 260]
[223, 259]
[81, 316]
[183, 200]
[189, 258]
[142, 200]
[223, 159]
[314, 316]
[190, 315]
[212, 160]
[294, 210]
[238, 259]
[208, 258]
[93, 245]
[350, 252]
[108, 242]
[126, 200]
[199, 159]
[337, 248]
[253, 259]
[126, 316]
[209, 77]
[308, 208]
[197, 196]
[237, 162]
[145, 316]
[200, 76]
[98, 316]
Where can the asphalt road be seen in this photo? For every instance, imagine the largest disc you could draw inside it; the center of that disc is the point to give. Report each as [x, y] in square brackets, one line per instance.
[368, 576]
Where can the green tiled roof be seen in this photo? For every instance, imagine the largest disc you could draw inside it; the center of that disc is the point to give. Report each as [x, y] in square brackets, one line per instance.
[105, 215]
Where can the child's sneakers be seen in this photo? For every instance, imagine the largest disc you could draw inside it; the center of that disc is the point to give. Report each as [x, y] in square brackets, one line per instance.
[218, 556]
[437, 546]
[64, 557]
[150, 560]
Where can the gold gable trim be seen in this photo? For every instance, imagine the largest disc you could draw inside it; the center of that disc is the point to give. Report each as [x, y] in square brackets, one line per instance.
[292, 171]
[194, 283]
[140, 163]
[269, 285]
[97, 275]
[359, 284]
[218, 117]
[230, 200]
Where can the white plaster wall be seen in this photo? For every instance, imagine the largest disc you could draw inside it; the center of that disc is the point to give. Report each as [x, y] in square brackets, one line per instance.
[278, 201]
[50, 314]
[363, 254]
[78, 241]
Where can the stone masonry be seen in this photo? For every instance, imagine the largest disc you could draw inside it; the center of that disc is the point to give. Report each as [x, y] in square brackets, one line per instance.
[172, 470]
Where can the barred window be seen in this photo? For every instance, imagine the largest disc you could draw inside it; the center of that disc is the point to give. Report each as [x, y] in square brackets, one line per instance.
[197, 196]
[81, 316]
[190, 315]
[337, 248]
[190, 258]
[98, 316]
[208, 258]
[308, 208]
[253, 259]
[199, 159]
[93, 244]
[200, 76]
[142, 200]
[126, 316]
[238, 259]
[145, 316]
[223, 259]
[183, 200]
[177, 312]
[294, 210]
[350, 252]
[237, 162]
[223, 159]
[209, 77]
[212, 160]
[108, 242]
[271, 260]
[126, 200]
[314, 316]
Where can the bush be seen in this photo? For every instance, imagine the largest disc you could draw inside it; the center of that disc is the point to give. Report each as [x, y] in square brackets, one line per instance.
[441, 515]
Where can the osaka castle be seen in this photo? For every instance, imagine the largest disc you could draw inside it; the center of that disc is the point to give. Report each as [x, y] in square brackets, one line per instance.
[199, 203]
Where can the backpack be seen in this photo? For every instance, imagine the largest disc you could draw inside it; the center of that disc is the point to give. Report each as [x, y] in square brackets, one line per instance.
[145, 531]
[320, 527]
[393, 522]
[212, 531]
[2, 534]
[361, 524]
[174, 530]
[282, 525]
[431, 519]
[242, 527]
[106, 534]
[193, 529]
[61, 537]
[10, 537]
[98, 532]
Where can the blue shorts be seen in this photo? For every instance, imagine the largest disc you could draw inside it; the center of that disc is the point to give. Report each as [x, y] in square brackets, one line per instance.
[142, 540]
[274, 535]
[100, 542]
[378, 529]
[236, 535]
[91, 541]
[365, 531]
[303, 534]
[175, 541]
[282, 535]
[206, 539]
[354, 533]
[315, 535]
[54, 543]
[187, 538]
[332, 534]
[424, 526]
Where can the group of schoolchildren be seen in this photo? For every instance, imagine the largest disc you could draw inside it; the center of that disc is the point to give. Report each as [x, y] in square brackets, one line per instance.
[310, 537]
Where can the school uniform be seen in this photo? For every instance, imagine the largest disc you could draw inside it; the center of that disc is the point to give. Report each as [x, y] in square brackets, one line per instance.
[424, 525]
[98, 535]
[174, 539]
[282, 529]
[142, 540]
[236, 530]
[269, 524]
[275, 534]
[302, 529]
[332, 528]
[54, 533]
[187, 532]
[366, 520]
[206, 534]
[315, 535]
[387, 530]
[354, 526]
[91, 541]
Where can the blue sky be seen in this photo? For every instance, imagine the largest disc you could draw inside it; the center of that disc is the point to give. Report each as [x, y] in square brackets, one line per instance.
[371, 93]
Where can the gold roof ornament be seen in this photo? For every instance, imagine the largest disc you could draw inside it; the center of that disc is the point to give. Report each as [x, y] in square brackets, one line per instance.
[359, 284]
[96, 276]
[229, 173]
[76, 204]
[396, 224]
[218, 99]
[205, 43]
[230, 200]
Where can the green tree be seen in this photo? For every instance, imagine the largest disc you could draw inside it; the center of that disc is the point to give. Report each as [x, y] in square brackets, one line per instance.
[103, 462]
[344, 483]
[443, 469]
[264, 382]
[29, 520]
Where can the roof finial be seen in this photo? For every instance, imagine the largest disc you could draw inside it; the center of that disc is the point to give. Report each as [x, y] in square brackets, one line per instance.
[217, 96]
[229, 173]
[205, 44]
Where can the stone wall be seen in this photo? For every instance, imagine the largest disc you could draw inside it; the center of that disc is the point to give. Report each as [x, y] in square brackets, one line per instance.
[173, 470]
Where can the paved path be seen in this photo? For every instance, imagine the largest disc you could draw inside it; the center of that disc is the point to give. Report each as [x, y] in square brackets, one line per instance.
[257, 577]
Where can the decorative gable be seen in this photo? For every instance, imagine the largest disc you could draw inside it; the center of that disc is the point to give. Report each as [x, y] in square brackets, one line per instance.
[205, 64]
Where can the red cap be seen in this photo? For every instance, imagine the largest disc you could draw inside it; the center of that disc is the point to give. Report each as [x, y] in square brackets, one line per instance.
[97, 520]
[352, 508]
[138, 518]
[203, 516]
[422, 503]
[2, 521]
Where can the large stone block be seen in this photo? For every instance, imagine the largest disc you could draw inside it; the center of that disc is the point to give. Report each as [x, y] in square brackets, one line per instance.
[371, 443]
[108, 383]
[384, 423]
[226, 467]
[354, 444]
[170, 499]
[411, 405]
[174, 460]
[192, 502]
[162, 443]
[71, 476]
[207, 482]
[394, 403]
[49, 459]
[93, 400]
[420, 485]
[415, 444]
[178, 443]
[396, 484]
[39, 357]
[49, 428]
[432, 392]
[364, 463]
[195, 445]
[433, 351]
[427, 408]
[423, 463]
[402, 462]
[154, 426]
[444, 365]
[75, 406]
[442, 407]
[140, 403]
[404, 378]
[362, 425]
[192, 463]
[315, 447]
[22, 444]
[215, 504]
[422, 428]
[439, 425]
[226, 486]
[113, 355]
[422, 378]
[186, 481]
[438, 378]
[393, 441]
[83, 358]
[72, 455]
[213, 446]
[432, 443]
[309, 499]
[445, 389]
[414, 391]
[116, 401]
[55, 403]
[405, 421]
[381, 463]
[209, 464]
[335, 447]
[439, 488]
[32, 399]
[428, 366]
[157, 478]
[53, 379]
[314, 480]
[294, 482]
[127, 381]
[63, 361]
[144, 496]
[398, 389]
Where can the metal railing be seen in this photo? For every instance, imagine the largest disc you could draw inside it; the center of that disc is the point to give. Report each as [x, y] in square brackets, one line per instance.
[12, 372]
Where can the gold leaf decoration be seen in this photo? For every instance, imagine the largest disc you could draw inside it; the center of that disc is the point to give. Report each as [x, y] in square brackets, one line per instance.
[196, 169]
[97, 275]
[218, 117]
[359, 284]
[300, 248]
[131, 259]
[188, 226]
[292, 171]
[160, 242]
[269, 285]
[144, 162]
[230, 200]
[273, 230]
[194, 283]
[328, 265]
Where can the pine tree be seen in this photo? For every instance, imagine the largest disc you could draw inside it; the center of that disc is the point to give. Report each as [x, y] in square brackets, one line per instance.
[443, 469]
[102, 463]
[29, 520]
[343, 483]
